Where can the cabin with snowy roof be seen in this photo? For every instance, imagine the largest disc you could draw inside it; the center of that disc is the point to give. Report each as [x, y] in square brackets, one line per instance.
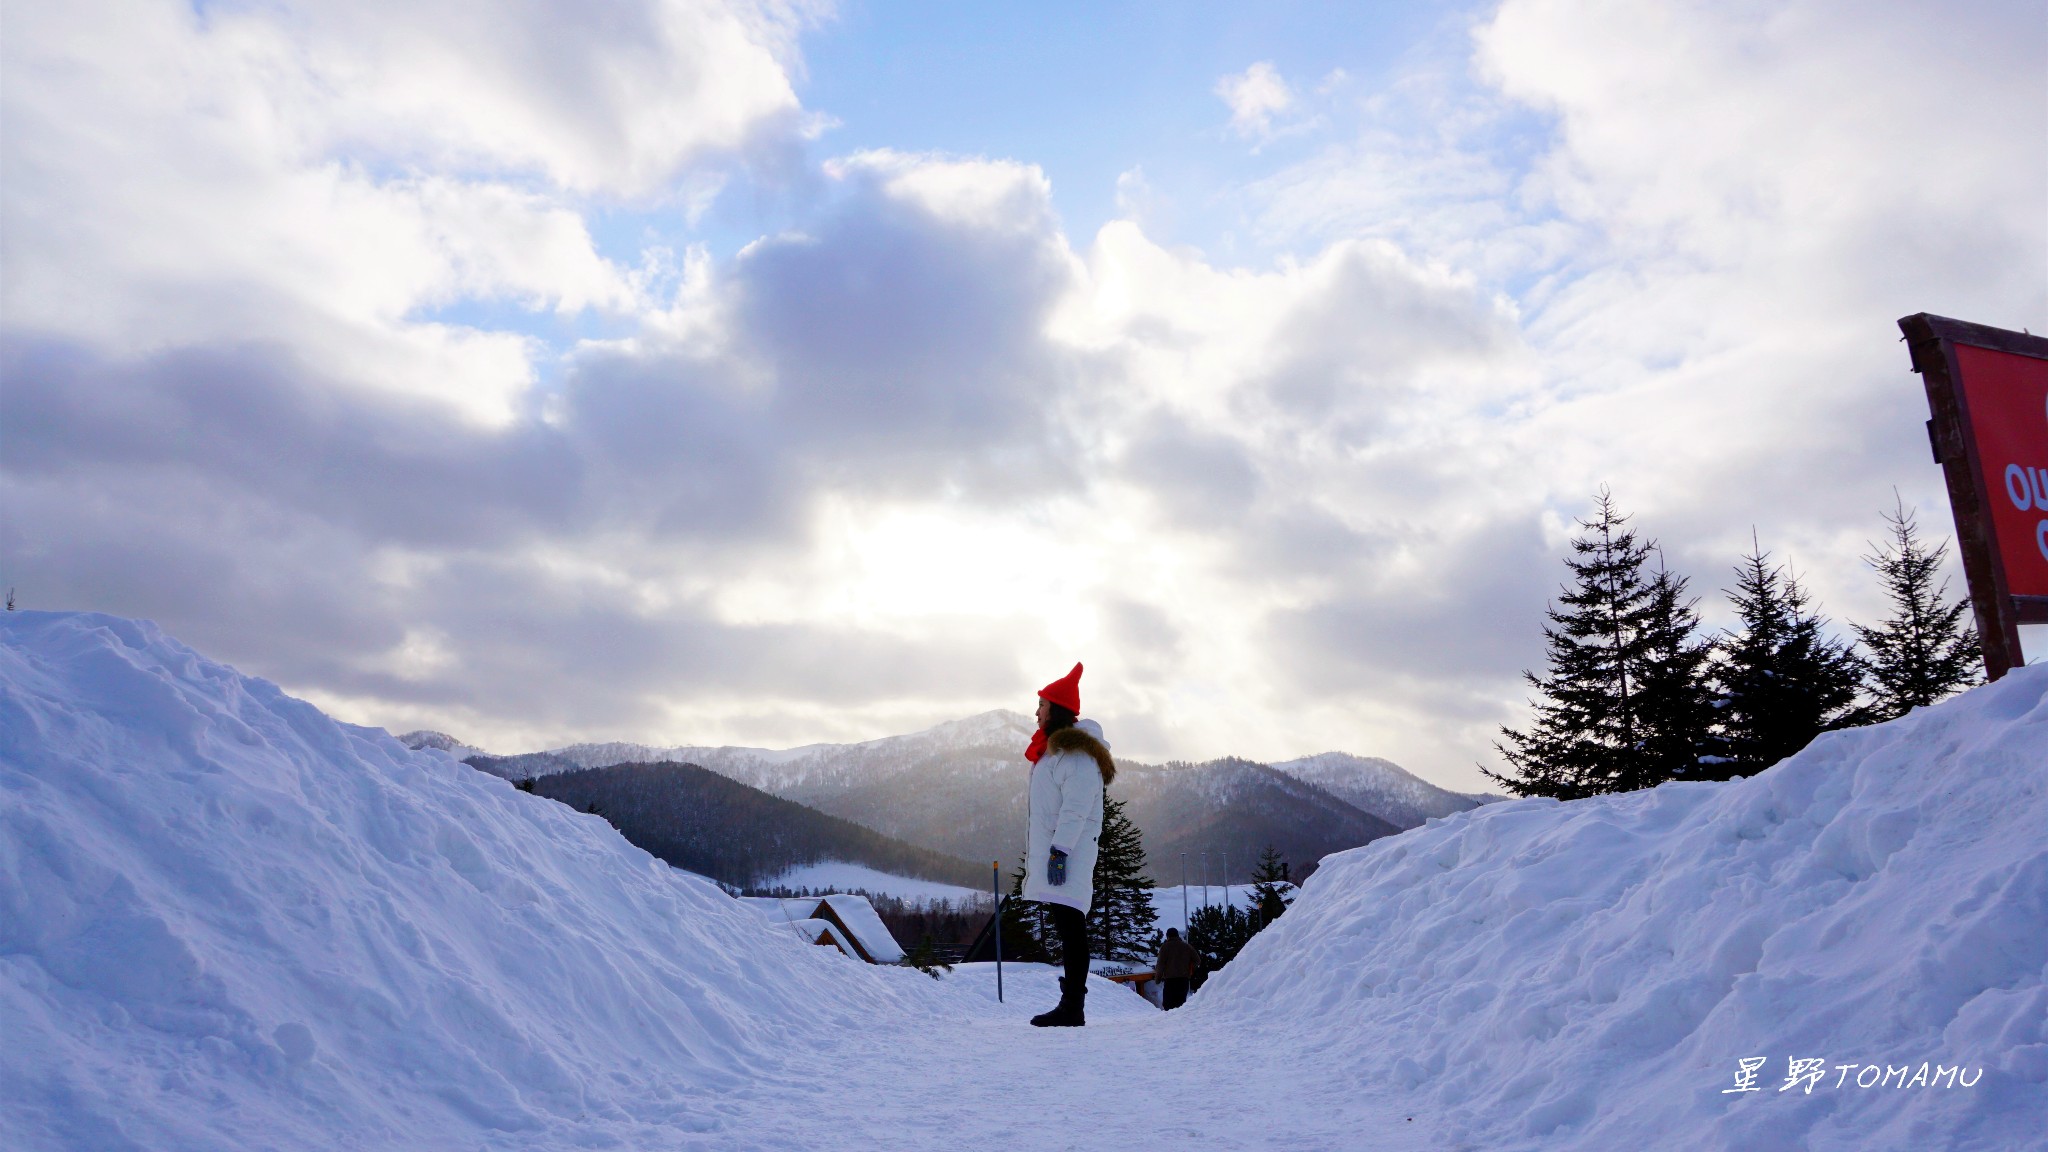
[826, 934]
[843, 921]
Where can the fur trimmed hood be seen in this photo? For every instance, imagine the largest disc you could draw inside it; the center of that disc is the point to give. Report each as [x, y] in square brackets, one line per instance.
[1085, 736]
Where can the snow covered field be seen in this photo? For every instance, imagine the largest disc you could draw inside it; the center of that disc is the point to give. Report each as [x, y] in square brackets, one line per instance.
[227, 921]
[840, 876]
[1173, 905]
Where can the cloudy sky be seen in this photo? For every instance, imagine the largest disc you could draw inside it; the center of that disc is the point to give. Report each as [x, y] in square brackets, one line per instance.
[687, 370]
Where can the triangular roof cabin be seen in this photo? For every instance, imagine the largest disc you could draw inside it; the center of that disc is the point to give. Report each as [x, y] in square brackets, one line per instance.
[858, 929]
[825, 934]
[864, 924]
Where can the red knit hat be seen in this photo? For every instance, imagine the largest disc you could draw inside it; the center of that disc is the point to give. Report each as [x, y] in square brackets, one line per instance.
[1065, 691]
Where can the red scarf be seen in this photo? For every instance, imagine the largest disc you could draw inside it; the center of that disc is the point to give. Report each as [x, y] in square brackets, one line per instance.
[1037, 747]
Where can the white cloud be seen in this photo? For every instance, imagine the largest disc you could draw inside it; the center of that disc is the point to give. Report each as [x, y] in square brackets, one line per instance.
[1698, 273]
[323, 176]
[1764, 193]
[1730, 208]
[985, 195]
[914, 457]
[1255, 96]
[619, 104]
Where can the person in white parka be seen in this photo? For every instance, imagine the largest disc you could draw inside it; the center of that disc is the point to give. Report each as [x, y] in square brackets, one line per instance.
[1070, 766]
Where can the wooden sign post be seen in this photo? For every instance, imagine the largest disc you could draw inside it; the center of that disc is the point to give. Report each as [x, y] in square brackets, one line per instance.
[1988, 391]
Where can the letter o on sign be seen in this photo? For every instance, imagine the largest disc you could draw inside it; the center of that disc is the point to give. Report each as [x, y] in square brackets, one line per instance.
[2017, 488]
[2041, 538]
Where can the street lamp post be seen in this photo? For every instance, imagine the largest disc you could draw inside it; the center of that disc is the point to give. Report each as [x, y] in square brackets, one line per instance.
[1183, 894]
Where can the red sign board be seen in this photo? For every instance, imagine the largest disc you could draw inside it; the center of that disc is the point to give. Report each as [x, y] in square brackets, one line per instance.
[1988, 391]
[2007, 399]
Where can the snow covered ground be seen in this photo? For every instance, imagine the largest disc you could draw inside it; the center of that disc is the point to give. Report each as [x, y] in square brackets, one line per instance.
[837, 876]
[1172, 905]
[227, 921]
[840, 876]
[1592, 974]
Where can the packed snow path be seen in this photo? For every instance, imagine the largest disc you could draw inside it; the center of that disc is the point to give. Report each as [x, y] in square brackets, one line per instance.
[1134, 1078]
[227, 921]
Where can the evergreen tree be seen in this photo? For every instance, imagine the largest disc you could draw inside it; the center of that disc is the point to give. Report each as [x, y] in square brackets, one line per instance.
[1027, 927]
[1623, 705]
[1675, 707]
[1268, 900]
[1779, 680]
[1120, 922]
[925, 958]
[1121, 915]
[1218, 932]
[1927, 648]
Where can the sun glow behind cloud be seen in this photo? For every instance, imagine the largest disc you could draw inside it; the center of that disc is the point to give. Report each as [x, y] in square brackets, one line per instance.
[293, 361]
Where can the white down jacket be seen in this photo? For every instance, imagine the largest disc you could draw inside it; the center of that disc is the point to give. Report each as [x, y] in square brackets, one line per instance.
[1066, 809]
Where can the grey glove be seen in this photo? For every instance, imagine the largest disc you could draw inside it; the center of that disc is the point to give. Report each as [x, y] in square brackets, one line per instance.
[1056, 868]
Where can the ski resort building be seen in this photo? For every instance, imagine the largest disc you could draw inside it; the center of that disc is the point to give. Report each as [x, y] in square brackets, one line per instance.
[855, 928]
[826, 934]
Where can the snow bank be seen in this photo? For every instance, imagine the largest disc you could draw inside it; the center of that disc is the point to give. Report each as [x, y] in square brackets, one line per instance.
[780, 910]
[1589, 975]
[229, 921]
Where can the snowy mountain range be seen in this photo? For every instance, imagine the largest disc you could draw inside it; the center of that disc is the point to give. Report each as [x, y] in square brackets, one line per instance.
[987, 740]
[1380, 787]
[958, 788]
[439, 741]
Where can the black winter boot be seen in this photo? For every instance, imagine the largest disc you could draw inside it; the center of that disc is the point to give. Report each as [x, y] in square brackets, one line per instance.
[1068, 1013]
[1055, 1016]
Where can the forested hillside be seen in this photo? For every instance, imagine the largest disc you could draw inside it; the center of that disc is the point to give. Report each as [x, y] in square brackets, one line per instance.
[958, 789]
[702, 822]
[1238, 807]
[976, 810]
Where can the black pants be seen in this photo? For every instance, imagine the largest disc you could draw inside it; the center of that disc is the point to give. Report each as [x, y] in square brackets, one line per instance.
[1175, 993]
[1072, 925]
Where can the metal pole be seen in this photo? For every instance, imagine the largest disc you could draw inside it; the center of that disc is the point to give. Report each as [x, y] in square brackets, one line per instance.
[995, 887]
[1228, 900]
[1183, 894]
[1205, 879]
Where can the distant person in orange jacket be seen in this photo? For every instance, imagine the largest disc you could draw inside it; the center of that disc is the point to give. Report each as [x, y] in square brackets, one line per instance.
[1175, 968]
